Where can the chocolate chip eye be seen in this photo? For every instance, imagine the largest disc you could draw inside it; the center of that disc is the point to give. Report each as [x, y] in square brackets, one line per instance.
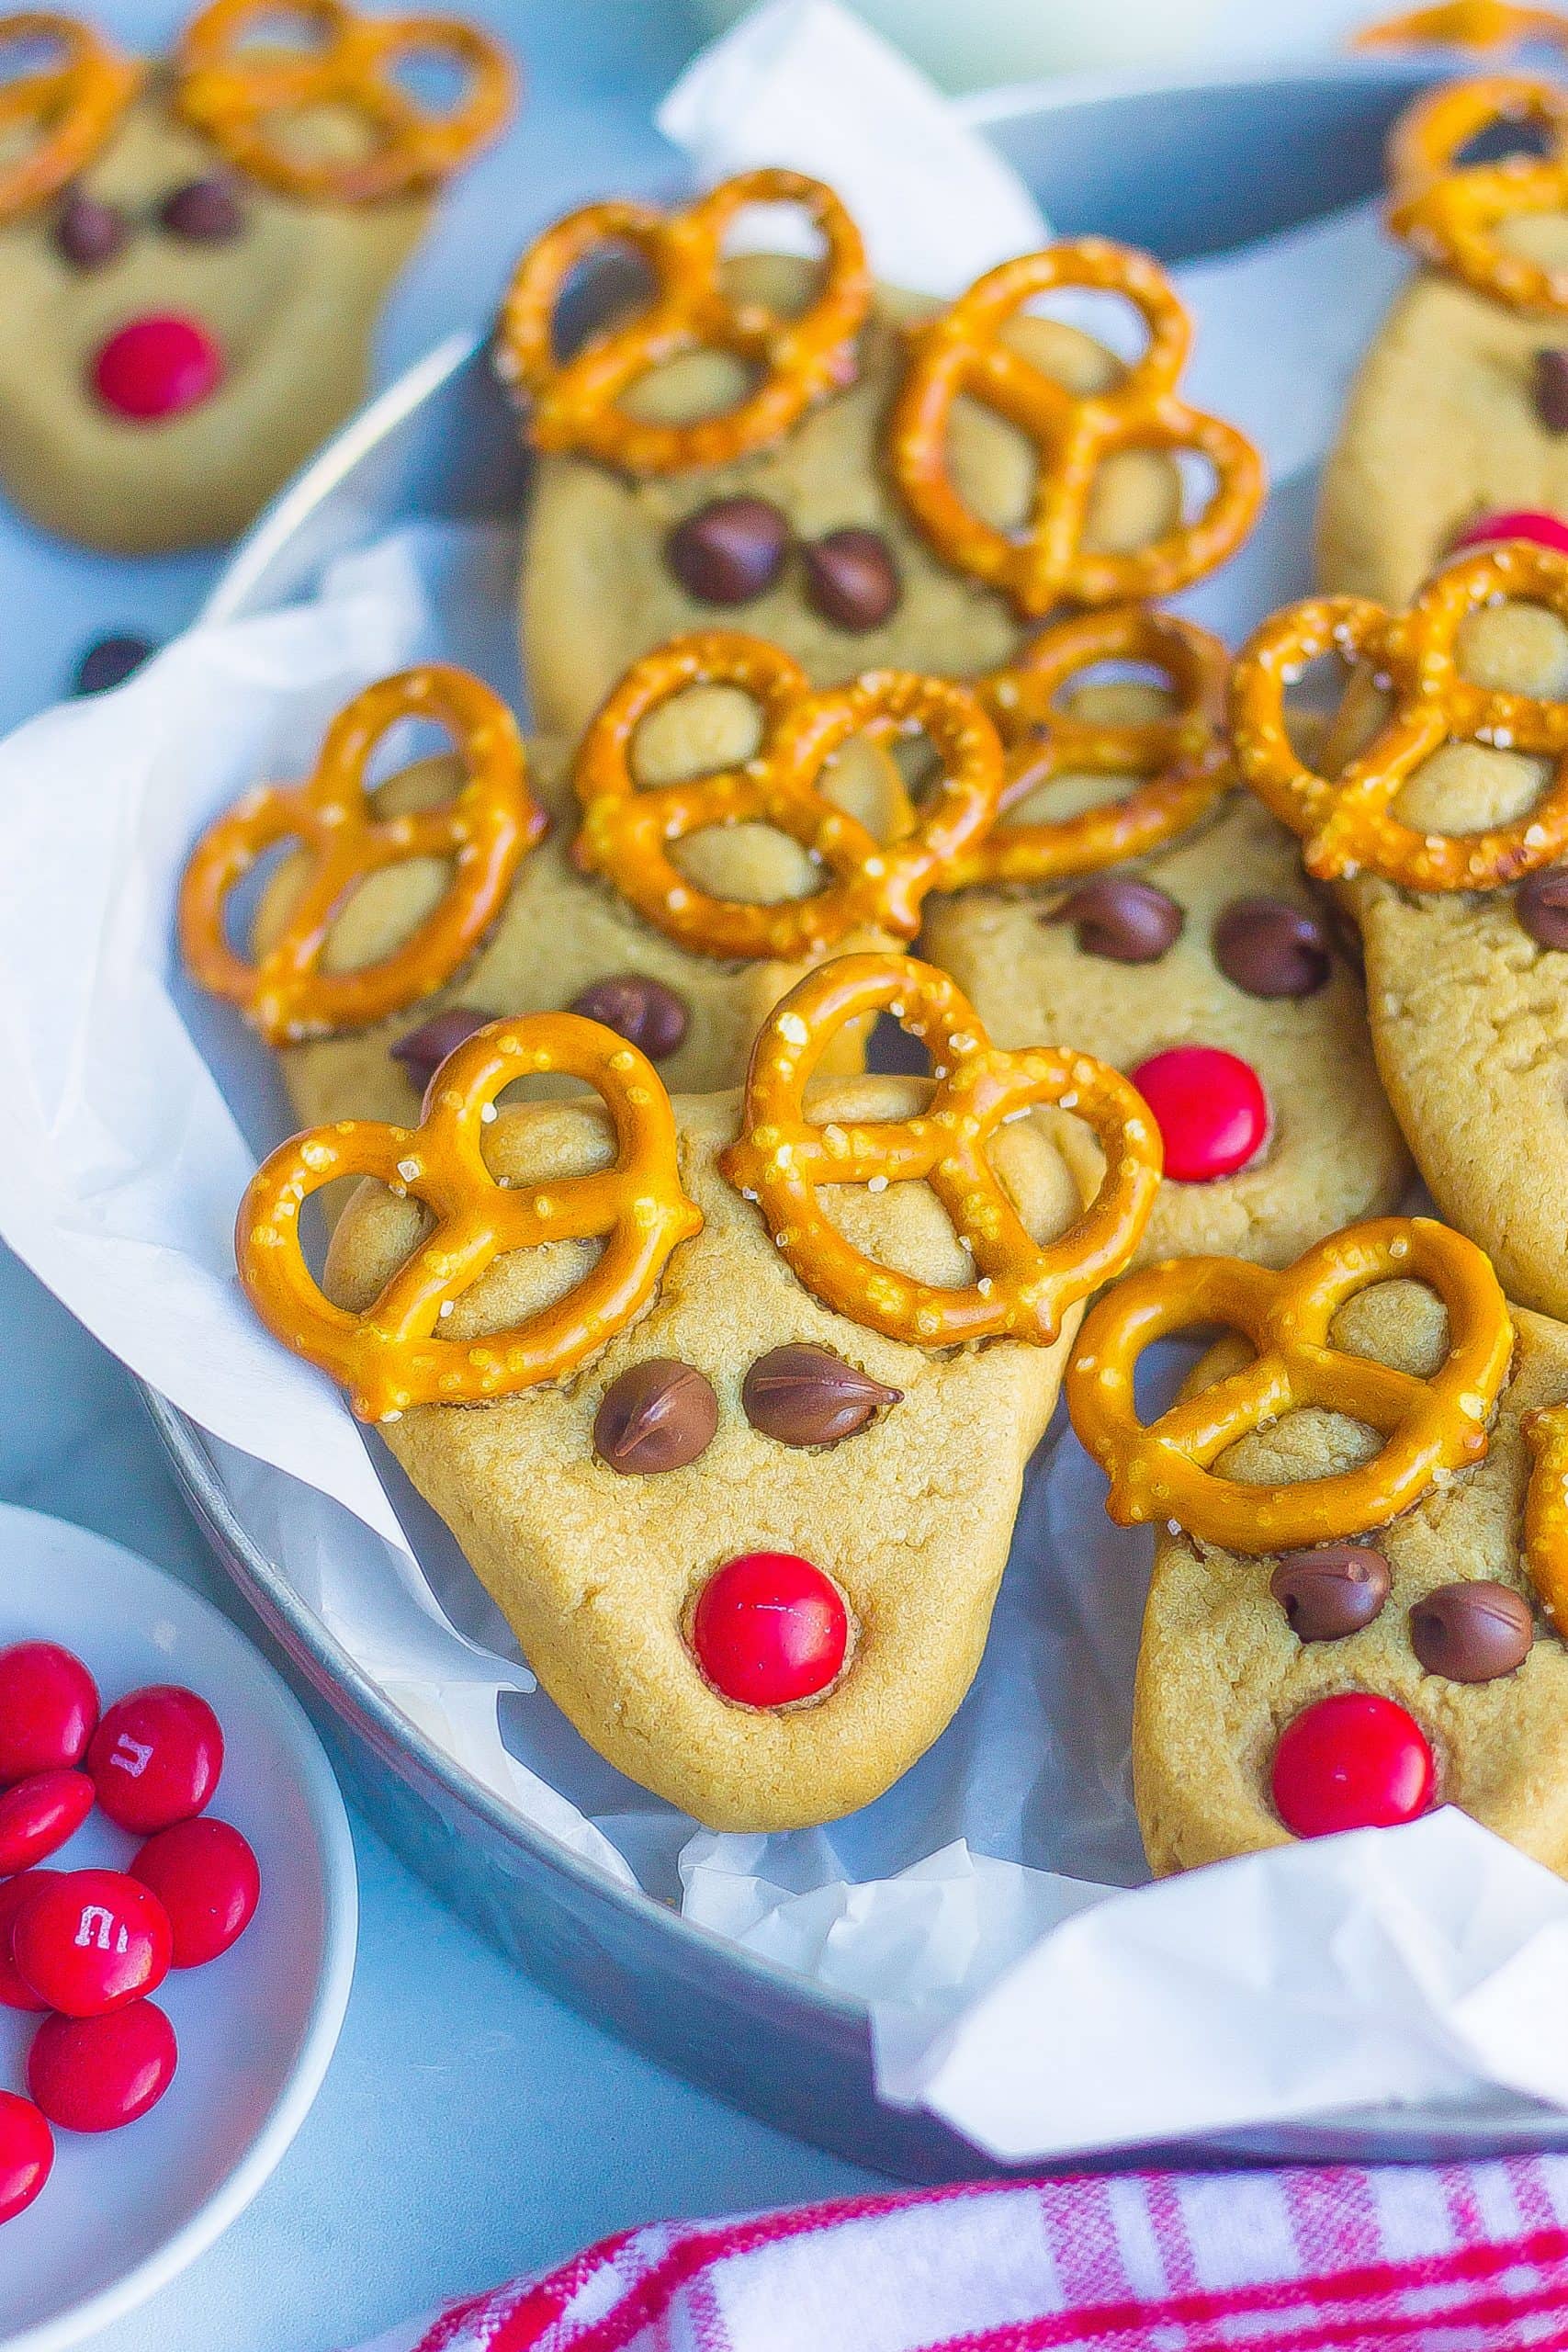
[1541, 904]
[729, 552]
[852, 579]
[804, 1396]
[659, 1415]
[1471, 1632]
[644, 1012]
[1331, 1590]
[87, 232]
[1125, 921]
[204, 212]
[1268, 948]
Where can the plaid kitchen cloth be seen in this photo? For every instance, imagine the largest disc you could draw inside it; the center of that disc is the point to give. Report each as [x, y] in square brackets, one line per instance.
[1443, 2259]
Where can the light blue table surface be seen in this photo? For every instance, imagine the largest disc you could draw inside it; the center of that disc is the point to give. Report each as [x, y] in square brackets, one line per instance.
[469, 2128]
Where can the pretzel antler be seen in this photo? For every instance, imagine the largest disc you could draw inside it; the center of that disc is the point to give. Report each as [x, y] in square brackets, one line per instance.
[390, 1357]
[55, 117]
[1023, 1287]
[1451, 214]
[241, 97]
[580, 403]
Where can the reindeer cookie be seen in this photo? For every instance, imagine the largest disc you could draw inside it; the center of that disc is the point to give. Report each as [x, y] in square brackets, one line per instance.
[193, 254]
[858, 478]
[1457, 426]
[1441, 816]
[1129, 898]
[1361, 1619]
[723, 828]
[727, 1402]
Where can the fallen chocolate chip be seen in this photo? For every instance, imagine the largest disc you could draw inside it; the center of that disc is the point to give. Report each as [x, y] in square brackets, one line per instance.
[659, 1415]
[806, 1395]
[1541, 904]
[87, 232]
[1127, 922]
[729, 551]
[644, 1012]
[1331, 1590]
[424, 1050]
[1551, 389]
[851, 580]
[1268, 948]
[207, 213]
[1473, 1632]
[108, 663]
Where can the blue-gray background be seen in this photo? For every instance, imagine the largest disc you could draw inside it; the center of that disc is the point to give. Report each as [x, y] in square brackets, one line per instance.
[469, 2128]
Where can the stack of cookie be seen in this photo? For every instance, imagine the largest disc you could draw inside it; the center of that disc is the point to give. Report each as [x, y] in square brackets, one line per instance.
[723, 1355]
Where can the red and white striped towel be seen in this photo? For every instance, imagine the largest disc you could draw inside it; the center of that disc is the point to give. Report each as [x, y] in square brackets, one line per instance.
[1453, 2258]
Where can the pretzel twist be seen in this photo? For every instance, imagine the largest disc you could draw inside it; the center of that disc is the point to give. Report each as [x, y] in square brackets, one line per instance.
[1164, 1469]
[1348, 821]
[1451, 214]
[1465, 24]
[1023, 1287]
[1546, 1510]
[962, 354]
[69, 107]
[580, 403]
[1183, 756]
[389, 1357]
[240, 96]
[628, 830]
[484, 830]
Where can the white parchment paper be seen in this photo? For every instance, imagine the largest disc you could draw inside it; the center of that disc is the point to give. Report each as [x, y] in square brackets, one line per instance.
[991, 1909]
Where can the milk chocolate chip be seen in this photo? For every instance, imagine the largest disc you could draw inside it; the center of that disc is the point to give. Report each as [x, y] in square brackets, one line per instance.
[1268, 948]
[1128, 923]
[851, 580]
[729, 551]
[424, 1050]
[658, 1415]
[88, 233]
[205, 212]
[644, 1012]
[804, 1396]
[1471, 1632]
[1551, 389]
[1331, 1590]
[1541, 904]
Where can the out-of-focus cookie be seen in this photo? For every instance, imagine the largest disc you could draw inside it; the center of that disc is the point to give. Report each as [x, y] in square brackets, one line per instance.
[1459, 409]
[1207, 968]
[805, 534]
[747, 1522]
[193, 268]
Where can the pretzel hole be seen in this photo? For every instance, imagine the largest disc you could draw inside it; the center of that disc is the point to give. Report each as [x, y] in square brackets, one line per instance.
[608, 287]
[22, 54]
[326, 132]
[1331, 712]
[282, 30]
[433, 76]
[1528, 137]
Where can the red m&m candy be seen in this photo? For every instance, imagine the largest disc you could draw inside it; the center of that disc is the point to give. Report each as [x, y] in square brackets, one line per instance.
[770, 1628]
[14, 1893]
[1209, 1107]
[156, 1758]
[48, 1705]
[1521, 523]
[156, 367]
[205, 1875]
[97, 2074]
[1352, 1761]
[27, 2154]
[38, 1815]
[89, 1941]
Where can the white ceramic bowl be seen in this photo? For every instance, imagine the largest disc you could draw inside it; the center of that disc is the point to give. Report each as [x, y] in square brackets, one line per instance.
[124, 2211]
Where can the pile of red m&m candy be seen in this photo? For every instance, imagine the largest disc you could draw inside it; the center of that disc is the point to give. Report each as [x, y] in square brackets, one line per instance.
[84, 1949]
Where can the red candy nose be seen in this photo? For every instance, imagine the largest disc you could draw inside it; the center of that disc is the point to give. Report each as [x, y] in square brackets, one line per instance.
[1523, 522]
[1354, 1761]
[157, 367]
[770, 1628]
[1209, 1107]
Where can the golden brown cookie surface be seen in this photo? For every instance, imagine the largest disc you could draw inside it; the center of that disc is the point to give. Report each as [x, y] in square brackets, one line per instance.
[599, 1570]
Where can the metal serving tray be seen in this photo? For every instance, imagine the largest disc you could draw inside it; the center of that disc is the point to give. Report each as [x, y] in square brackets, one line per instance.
[1182, 168]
